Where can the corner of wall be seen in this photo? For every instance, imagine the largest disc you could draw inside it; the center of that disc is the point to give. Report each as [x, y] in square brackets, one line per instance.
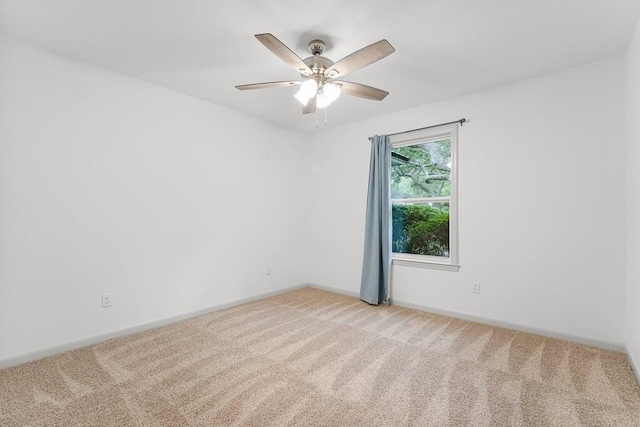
[632, 155]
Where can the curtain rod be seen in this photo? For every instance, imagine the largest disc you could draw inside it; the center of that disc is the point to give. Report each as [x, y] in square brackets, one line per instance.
[461, 121]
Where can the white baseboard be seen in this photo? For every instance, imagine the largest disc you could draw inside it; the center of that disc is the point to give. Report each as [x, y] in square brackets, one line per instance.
[493, 322]
[515, 326]
[30, 356]
[334, 290]
[634, 365]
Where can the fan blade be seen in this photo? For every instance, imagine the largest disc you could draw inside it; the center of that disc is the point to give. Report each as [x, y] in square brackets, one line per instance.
[310, 107]
[284, 53]
[269, 84]
[361, 91]
[361, 58]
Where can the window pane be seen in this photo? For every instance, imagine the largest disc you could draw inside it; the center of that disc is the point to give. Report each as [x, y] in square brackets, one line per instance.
[422, 170]
[421, 229]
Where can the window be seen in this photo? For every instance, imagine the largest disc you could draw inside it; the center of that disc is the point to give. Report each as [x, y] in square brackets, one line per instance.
[424, 198]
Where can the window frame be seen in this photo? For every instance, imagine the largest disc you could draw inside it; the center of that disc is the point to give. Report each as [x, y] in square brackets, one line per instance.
[421, 136]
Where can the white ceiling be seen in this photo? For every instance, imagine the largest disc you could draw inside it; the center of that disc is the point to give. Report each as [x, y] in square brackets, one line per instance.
[444, 48]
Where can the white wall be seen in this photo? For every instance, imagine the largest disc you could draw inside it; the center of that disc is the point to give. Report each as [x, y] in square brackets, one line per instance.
[633, 197]
[542, 220]
[110, 184]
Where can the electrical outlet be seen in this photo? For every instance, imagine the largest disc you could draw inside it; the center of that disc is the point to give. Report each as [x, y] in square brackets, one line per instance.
[106, 300]
[475, 287]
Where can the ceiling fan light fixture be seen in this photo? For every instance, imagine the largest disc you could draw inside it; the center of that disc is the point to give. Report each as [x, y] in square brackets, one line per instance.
[331, 91]
[302, 97]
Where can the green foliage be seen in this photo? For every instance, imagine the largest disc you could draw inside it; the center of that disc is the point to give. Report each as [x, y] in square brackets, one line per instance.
[420, 229]
[422, 170]
[426, 173]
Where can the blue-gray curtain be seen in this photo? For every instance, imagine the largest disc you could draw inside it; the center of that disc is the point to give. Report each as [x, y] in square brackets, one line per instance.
[376, 265]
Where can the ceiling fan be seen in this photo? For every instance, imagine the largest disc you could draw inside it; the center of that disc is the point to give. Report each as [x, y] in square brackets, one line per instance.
[320, 86]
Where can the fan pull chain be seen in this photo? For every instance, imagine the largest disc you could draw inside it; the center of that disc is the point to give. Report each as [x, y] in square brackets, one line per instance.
[325, 116]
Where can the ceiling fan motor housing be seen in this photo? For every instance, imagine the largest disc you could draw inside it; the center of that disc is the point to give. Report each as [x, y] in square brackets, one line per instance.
[318, 64]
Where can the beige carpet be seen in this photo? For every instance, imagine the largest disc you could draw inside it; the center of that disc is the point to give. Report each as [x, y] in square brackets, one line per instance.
[311, 357]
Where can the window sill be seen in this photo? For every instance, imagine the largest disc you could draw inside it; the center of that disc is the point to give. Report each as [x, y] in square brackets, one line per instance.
[425, 264]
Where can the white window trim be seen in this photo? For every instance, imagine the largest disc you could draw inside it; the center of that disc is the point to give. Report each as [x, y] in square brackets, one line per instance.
[427, 135]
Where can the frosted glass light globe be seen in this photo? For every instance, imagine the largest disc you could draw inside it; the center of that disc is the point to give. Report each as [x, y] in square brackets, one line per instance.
[331, 91]
[309, 88]
[302, 97]
[322, 101]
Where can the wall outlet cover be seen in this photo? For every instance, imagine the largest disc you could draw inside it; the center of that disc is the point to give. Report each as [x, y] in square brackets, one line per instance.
[475, 287]
[106, 300]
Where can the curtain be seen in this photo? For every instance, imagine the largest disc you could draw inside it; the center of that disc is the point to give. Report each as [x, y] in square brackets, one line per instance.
[376, 265]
